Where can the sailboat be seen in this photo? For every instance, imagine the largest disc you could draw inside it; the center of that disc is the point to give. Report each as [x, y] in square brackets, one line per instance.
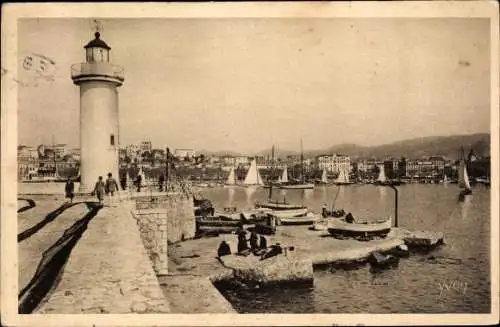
[381, 180]
[343, 178]
[281, 208]
[324, 177]
[463, 177]
[231, 179]
[284, 176]
[253, 176]
[302, 184]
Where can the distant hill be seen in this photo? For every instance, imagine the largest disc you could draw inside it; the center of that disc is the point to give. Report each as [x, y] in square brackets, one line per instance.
[448, 146]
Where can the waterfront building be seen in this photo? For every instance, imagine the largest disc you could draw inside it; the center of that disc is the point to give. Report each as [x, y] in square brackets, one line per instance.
[334, 163]
[438, 163]
[59, 150]
[26, 152]
[145, 146]
[98, 80]
[132, 150]
[325, 161]
[227, 160]
[241, 160]
[185, 153]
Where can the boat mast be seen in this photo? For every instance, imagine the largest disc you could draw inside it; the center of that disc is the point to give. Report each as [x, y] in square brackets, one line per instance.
[302, 162]
[272, 174]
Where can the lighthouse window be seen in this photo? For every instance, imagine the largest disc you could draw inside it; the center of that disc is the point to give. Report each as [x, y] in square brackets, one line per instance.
[112, 139]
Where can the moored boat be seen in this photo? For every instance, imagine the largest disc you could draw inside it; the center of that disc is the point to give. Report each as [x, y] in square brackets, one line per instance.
[340, 227]
[463, 177]
[217, 224]
[277, 205]
[307, 219]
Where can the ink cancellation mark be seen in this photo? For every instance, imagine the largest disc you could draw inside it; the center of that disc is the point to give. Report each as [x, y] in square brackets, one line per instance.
[37, 67]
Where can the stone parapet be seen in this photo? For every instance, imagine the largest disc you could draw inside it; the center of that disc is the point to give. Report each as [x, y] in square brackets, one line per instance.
[153, 229]
[163, 219]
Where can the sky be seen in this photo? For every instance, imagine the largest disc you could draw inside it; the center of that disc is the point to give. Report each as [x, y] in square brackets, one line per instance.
[246, 84]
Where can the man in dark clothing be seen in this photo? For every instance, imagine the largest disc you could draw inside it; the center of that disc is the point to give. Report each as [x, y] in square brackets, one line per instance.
[224, 249]
[161, 180]
[70, 190]
[111, 187]
[263, 243]
[275, 250]
[138, 182]
[349, 218]
[242, 241]
[254, 239]
[123, 181]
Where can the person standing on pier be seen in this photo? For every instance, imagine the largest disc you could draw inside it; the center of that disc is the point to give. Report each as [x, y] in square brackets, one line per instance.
[123, 181]
[138, 182]
[99, 189]
[70, 190]
[161, 181]
[111, 187]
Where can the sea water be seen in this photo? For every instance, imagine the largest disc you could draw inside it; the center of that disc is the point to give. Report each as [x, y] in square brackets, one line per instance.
[454, 278]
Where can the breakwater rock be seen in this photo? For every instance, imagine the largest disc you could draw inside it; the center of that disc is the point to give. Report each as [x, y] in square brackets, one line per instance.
[274, 270]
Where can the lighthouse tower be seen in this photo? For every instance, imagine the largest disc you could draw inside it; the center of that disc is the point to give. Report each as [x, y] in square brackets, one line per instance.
[98, 80]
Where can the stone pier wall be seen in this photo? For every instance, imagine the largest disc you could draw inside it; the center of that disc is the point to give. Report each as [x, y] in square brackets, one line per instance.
[164, 219]
[153, 228]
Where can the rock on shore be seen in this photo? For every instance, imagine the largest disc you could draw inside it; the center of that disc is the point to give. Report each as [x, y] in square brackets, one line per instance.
[278, 269]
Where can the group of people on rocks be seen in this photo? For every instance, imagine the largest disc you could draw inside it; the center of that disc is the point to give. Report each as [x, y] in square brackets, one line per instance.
[255, 244]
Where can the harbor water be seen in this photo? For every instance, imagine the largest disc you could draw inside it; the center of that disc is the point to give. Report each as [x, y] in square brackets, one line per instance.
[454, 278]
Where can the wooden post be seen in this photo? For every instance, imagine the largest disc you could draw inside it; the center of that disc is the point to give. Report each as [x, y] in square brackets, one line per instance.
[395, 205]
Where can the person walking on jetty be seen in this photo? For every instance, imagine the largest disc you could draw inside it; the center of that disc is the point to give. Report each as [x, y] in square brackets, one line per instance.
[111, 187]
[138, 182]
[99, 189]
[123, 181]
[70, 190]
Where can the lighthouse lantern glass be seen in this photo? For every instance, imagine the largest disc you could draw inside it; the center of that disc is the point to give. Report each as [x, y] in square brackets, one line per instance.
[97, 54]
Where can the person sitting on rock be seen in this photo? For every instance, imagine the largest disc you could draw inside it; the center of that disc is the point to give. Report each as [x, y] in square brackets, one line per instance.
[254, 239]
[263, 243]
[242, 241]
[324, 211]
[224, 249]
[275, 250]
[349, 218]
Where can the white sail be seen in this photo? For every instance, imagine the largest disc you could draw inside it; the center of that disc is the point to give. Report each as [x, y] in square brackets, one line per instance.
[231, 180]
[463, 177]
[284, 177]
[343, 176]
[324, 178]
[253, 176]
[381, 174]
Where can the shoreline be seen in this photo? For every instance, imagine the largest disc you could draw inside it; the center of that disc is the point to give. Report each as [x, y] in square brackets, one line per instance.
[195, 261]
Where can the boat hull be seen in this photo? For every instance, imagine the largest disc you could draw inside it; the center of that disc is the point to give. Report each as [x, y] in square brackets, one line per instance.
[297, 187]
[283, 214]
[308, 219]
[338, 227]
[279, 206]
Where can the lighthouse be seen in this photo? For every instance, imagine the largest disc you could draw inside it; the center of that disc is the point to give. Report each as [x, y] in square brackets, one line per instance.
[98, 80]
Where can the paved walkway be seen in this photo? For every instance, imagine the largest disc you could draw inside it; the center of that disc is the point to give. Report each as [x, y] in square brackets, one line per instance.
[39, 228]
[81, 258]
